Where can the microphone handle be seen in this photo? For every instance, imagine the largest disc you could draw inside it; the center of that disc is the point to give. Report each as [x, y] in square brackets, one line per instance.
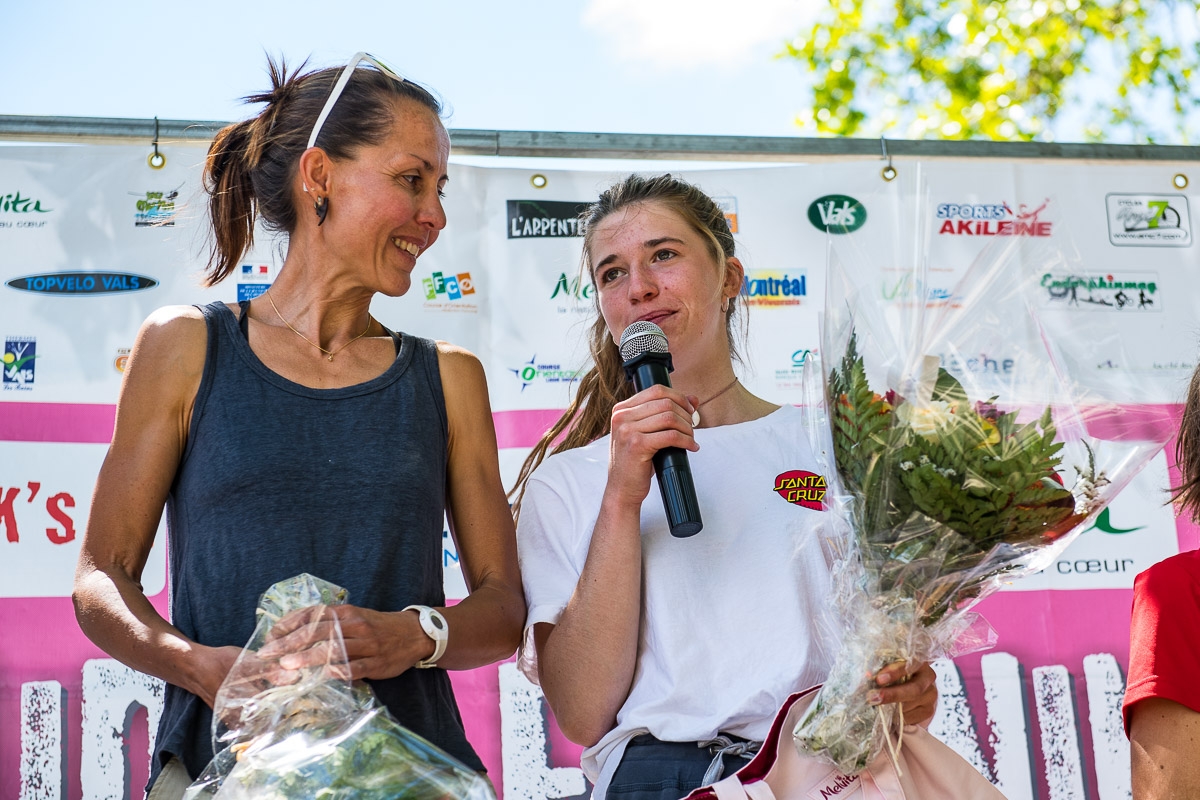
[670, 463]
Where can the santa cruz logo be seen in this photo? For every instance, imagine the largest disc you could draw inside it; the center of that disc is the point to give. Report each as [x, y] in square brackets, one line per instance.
[82, 283]
[802, 488]
[837, 213]
[994, 219]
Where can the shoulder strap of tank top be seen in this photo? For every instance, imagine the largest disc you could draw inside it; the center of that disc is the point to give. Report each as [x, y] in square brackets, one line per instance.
[395, 336]
[244, 318]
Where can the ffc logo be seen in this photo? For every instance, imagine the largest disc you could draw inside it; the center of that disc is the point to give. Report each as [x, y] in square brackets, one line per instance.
[453, 287]
[19, 355]
[802, 488]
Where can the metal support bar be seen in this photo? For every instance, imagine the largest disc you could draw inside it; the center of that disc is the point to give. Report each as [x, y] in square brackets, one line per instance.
[549, 144]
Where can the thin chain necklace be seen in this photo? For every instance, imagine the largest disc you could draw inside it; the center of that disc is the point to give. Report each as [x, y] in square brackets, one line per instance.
[329, 353]
[696, 412]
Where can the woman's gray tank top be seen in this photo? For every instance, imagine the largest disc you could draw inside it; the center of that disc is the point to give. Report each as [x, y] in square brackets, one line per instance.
[278, 479]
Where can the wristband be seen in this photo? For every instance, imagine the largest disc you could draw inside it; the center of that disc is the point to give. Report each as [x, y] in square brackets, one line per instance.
[435, 627]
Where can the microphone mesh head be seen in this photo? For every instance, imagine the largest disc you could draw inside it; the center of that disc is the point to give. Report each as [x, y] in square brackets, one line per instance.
[642, 337]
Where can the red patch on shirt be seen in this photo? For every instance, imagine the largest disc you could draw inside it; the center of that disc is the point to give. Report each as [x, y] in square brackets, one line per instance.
[802, 488]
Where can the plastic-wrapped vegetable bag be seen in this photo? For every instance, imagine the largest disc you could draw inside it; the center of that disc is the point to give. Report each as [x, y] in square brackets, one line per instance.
[312, 733]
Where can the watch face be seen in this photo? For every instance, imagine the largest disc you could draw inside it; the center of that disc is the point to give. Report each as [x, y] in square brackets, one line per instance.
[437, 621]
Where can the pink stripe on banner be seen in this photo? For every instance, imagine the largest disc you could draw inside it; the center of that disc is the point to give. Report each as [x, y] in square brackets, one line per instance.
[523, 428]
[89, 423]
[93, 423]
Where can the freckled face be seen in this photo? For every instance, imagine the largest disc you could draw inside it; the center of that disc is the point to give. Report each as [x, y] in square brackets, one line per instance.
[648, 263]
[389, 196]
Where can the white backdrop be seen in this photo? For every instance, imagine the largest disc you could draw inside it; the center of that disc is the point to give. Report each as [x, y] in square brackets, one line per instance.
[92, 240]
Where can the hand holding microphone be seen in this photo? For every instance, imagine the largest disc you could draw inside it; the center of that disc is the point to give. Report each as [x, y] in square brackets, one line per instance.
[648, 363]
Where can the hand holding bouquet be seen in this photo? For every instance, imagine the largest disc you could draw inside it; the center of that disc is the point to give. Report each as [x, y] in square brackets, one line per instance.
[953, 481]
[312, 733]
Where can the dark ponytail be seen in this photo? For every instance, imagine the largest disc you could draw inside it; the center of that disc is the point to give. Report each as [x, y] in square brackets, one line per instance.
[251, 164]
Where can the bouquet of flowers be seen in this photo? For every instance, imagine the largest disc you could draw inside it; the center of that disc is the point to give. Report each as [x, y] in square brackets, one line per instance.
[953, 480]
[312, 733]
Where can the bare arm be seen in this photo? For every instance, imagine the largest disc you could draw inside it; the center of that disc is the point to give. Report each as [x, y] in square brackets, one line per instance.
[486, 626]
[153, 414]
[1164, 739]
[586, 661]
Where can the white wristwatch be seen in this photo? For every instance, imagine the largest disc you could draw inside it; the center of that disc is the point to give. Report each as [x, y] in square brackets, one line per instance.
[435, 627]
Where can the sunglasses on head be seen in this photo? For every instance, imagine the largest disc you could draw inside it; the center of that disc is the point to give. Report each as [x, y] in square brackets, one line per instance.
[340, 86]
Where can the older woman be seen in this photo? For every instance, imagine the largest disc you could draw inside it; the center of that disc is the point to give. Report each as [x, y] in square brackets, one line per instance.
[646, 645]
[296, 433]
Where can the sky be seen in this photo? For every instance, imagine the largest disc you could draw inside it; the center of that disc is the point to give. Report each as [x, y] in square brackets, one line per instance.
[617, 66]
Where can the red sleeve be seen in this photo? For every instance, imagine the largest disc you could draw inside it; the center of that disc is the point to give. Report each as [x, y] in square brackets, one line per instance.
[1164, 634]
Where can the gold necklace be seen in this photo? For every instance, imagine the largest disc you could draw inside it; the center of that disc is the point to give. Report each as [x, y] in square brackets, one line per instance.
[696, 412]
[329, 353]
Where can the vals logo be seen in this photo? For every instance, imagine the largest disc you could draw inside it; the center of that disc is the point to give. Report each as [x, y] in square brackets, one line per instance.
[802, 488]
[82, 283]
[771, 288]
[18, 360]
[981, 219]
[451, 287]
[837, 213]
[544, 219]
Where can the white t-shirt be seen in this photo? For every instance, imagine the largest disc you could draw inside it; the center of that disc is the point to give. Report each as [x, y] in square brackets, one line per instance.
[733, 618]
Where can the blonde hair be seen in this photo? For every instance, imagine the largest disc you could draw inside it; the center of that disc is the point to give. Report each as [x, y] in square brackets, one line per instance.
[589, 416]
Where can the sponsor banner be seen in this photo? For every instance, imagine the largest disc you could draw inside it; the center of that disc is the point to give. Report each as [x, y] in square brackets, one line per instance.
[45, 496]
[20, 363]
[530, 313]
[837, 213]
[1148, 220]
[1114, 291]
[992, 219]
[729, 208]
[1134, 532]
[82, 283]
[22, 211]
[156, 208]
[544, 219]
[774, 288]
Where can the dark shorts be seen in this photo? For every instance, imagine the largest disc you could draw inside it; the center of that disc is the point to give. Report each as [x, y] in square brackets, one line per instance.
[654, 770]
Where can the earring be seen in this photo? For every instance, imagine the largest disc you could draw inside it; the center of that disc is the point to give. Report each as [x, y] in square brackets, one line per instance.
[321, 206]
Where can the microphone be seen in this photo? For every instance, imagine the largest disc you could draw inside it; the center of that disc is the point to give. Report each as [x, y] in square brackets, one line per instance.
[648, 363]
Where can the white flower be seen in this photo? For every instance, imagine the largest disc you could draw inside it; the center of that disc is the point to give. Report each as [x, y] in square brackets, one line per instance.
[927, 419]
[906, 465]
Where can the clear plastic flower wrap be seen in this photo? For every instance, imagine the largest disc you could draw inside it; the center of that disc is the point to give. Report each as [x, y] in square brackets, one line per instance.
[971, 441]
[312, 733]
